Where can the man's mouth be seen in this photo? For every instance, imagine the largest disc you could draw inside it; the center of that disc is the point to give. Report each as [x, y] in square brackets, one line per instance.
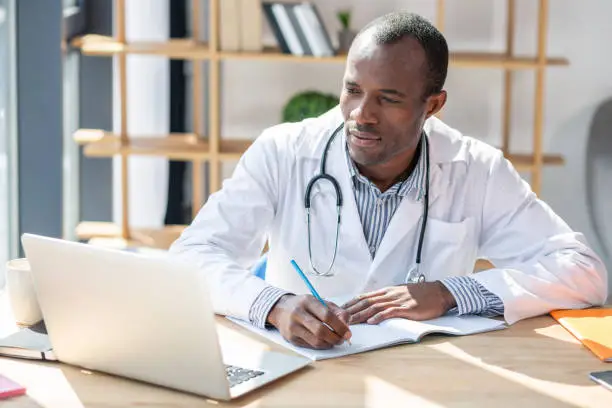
[364, 139]
[364, 135]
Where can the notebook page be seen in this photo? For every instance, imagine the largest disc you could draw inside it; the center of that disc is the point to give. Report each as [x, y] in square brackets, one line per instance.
[365, 337]
[27, 339]
[453, 325]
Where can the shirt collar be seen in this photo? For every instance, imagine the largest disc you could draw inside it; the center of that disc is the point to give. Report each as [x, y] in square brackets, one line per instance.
[414, 183]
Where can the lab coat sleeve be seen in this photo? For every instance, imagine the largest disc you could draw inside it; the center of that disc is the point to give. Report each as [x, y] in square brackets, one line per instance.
[229, 232]
[540, 263]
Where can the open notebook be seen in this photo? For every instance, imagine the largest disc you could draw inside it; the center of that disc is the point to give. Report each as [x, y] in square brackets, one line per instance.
[388, 333]
[31, 343]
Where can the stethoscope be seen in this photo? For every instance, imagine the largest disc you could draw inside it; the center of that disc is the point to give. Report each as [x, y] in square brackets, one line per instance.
[414, 275]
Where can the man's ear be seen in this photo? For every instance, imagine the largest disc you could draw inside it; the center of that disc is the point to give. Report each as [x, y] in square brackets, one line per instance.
[435, 103]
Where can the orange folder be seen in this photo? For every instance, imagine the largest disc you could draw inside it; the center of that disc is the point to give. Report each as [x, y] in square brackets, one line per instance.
[593, 327]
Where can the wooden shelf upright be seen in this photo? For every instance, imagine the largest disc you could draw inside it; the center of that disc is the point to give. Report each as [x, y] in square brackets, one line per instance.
[206, 144]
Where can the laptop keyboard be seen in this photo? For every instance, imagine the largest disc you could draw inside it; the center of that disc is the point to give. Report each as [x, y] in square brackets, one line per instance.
[238, 375]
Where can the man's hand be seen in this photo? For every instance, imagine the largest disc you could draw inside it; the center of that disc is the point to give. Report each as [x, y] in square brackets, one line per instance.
[302, 321]
[420, 301]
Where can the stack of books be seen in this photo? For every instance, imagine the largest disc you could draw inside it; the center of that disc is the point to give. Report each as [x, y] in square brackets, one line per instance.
[297, 27]
[240, 26]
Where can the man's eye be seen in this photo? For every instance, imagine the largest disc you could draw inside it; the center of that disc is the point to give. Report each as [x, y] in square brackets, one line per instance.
[384, 98]
[352, 90]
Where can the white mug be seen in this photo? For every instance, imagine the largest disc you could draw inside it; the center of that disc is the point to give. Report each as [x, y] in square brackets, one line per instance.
[21, 293]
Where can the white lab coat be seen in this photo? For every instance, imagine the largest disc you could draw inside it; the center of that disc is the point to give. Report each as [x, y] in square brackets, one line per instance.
[479, 208]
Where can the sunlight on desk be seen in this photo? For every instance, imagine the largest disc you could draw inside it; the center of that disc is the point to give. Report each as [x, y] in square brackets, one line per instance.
[380, 393]
[534, 363]
[46, 385]
[566, 394]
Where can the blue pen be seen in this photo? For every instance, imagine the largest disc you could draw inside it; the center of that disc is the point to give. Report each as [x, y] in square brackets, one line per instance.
[307, 282]
[312, 289]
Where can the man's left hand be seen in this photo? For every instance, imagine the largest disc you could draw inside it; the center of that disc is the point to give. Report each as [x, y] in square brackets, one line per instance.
[419, 301]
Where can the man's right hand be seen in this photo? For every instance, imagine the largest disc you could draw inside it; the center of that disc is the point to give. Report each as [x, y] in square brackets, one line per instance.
[300, 320]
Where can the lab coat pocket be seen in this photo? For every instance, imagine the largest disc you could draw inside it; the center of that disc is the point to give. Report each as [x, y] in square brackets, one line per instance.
[449, 248]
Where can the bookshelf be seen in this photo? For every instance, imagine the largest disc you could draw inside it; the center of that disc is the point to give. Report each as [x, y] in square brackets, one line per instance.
[207, 145]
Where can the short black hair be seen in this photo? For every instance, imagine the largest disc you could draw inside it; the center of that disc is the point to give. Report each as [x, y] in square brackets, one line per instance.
[392, 27]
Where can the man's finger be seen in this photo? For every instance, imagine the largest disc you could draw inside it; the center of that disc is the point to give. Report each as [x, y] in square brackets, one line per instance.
[313, 341]
[364, 315]
[391, 312]
[366, 303]
[321, 336]
[326, 315]
[300, 342]
[364, 296]
[338, 311]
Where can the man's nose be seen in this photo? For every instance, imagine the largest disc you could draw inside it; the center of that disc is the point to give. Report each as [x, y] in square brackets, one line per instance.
[365, 112]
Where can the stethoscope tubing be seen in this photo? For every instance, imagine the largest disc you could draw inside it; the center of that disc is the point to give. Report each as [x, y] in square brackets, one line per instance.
[324, 176]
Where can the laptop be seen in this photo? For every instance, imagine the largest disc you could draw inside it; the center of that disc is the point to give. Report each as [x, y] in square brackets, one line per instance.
[147, 318]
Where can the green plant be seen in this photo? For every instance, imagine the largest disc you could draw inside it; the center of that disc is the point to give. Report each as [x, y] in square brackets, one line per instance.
[308, 104]
[344, 16]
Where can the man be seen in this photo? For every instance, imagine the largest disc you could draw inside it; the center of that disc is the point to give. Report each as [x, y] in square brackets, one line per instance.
[395, 165]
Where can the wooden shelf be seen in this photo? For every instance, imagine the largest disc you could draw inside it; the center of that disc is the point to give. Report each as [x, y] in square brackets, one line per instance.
[494, 60]
[109, 234]
[526, 162]
[233, 149]
[175, 146]
[188, 49]
[457, 59]
[186, 146]
[98, 45]
[274, 54]
[178, 146]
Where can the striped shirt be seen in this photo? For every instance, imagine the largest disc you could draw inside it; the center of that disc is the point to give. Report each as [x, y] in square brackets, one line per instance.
[376, 210]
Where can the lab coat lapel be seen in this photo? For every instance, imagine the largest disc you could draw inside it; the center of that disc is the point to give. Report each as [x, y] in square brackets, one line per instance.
[437, 183]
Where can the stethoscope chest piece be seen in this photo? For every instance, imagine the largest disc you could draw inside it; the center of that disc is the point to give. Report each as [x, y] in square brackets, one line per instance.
[414, 275]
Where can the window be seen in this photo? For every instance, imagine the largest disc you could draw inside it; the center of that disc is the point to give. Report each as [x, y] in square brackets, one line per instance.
[70, 3]
[8, 140]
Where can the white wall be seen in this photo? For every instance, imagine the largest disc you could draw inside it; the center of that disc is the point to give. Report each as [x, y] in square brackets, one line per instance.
[254, 92]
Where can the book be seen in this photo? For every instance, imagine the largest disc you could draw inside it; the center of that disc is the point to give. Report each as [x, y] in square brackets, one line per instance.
[592, 327]
[312, 37]
[229, 30]
[280, 13]
[30, 343]
[312, 24]
[9, 388]
[391, 332]
[251, 25]
[299, 30]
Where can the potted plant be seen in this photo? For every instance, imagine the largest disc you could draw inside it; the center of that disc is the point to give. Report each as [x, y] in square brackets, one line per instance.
[346, 35]
[308, 104]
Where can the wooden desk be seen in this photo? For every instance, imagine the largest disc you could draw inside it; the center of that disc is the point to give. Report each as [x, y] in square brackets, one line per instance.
[535, 363]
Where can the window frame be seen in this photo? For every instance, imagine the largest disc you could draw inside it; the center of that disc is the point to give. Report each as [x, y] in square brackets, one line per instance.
[12, 152]
[75, 19]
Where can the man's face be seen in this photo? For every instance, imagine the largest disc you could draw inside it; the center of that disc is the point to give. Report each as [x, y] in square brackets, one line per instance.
[382, 99]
